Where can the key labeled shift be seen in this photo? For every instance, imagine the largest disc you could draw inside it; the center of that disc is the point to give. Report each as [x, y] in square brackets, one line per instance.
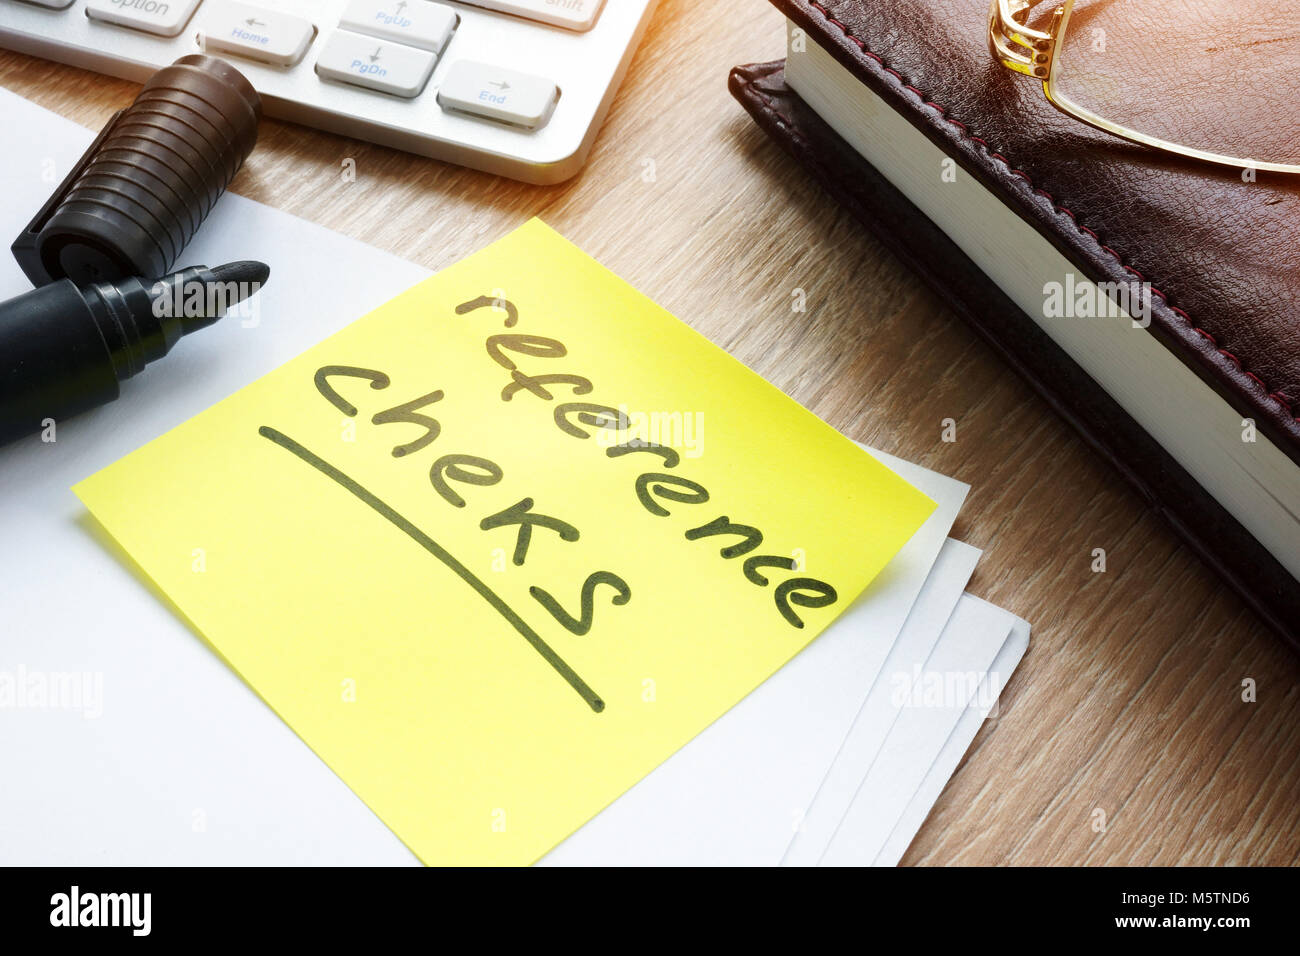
[577, 15]
[378, 65]
[520, 99]
[256, 33]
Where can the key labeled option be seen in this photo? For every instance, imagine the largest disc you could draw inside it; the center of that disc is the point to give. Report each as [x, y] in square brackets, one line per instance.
[255, 32]
[417, 23]
[484, 90]
[571, 14]
[376, 64]
[164, 18]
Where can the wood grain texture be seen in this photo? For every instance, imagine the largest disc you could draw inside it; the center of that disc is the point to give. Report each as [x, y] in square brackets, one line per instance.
[1129, 700]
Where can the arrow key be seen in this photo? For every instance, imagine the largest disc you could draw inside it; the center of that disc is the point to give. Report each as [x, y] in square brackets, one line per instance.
[255, 32]
[376, 64]
[520, 99]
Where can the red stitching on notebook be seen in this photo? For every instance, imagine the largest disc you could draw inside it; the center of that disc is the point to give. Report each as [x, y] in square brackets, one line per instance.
[861, 44]
[775, 111]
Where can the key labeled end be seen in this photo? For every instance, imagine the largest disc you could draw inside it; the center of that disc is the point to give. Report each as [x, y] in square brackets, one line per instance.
[481, 89]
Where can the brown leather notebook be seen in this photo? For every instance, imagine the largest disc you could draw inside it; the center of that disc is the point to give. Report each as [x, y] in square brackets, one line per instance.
[1193, 393]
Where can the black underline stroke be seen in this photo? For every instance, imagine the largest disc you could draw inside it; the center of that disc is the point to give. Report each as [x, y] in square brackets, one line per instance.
[438, 551]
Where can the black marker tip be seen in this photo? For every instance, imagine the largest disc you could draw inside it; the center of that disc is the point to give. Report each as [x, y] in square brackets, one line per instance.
[221, 288]
[191, 299]
[246, 271]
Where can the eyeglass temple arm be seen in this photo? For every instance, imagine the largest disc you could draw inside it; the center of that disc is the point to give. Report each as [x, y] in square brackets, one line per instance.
[1017, 46]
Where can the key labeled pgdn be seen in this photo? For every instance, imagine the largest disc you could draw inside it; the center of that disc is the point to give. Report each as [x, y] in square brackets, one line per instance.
[366, 61]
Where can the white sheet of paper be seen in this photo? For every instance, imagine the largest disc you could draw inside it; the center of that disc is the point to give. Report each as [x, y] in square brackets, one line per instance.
[878, 713]
[932, 707]
[733, 795]
[172, 759]
[959, 741]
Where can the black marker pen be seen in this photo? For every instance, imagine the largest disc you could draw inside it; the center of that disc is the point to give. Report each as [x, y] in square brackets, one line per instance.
[65, 349]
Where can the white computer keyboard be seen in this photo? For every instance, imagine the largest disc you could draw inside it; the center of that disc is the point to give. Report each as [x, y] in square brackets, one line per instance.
[514, 87]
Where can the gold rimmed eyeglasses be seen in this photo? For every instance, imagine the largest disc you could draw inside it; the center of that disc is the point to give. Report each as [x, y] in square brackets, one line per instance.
[1216, 80]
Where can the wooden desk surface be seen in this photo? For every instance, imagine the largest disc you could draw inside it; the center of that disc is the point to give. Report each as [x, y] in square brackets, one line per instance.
[1129, 700]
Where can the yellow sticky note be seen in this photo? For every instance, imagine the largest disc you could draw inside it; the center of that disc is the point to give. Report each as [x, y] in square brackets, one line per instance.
[502, 546]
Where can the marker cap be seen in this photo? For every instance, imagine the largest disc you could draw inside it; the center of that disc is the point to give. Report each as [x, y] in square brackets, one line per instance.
[135, 199]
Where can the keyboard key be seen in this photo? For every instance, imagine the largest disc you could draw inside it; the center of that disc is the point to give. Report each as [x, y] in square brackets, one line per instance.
[255, 32]
[52, 4]
[166, 18]
[376, 64]
[572, 14]
[413, 22]
[499, 94]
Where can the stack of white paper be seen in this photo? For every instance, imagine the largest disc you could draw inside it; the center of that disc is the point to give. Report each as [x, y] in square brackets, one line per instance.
[836, 759]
